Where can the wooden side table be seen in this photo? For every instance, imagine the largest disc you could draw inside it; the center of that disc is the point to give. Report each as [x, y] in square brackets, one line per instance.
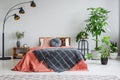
[19, 52]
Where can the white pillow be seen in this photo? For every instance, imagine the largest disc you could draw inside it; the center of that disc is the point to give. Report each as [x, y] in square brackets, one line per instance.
[67, 42]
[41, 42]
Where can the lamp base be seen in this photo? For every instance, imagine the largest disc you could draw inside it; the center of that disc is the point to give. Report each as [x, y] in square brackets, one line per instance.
[5, 58]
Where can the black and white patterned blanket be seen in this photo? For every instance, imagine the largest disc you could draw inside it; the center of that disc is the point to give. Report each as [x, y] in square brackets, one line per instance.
[59, 59]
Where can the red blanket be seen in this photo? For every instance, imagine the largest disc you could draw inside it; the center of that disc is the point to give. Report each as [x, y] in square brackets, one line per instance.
[29, 63]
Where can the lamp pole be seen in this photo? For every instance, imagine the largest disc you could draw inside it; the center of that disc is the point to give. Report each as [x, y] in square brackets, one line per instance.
[16, 17]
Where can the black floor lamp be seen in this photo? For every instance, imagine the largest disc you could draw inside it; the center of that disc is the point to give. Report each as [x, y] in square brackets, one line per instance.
[16, 17]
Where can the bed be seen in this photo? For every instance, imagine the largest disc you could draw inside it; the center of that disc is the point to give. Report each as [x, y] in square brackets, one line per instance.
[31, 63]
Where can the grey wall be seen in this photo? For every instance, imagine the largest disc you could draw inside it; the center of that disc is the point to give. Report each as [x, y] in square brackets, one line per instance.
[54, 18]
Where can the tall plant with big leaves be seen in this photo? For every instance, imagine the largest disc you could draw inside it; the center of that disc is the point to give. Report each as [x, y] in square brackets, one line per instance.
[97, 23]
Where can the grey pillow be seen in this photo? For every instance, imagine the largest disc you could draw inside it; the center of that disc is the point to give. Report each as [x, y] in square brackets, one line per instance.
[56, 42]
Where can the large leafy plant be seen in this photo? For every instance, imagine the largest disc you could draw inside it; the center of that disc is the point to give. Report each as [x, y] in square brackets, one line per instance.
[97, 22]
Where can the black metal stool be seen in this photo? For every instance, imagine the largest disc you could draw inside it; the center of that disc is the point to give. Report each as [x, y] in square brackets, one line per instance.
[83, 46]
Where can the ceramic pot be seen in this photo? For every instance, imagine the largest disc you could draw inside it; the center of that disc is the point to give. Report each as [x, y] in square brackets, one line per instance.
[113, 55]
[18, 43]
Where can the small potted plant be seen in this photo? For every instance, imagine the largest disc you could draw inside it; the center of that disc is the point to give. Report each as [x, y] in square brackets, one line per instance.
[81, 35]
[19, 36]
[113, 50]
[105, 49]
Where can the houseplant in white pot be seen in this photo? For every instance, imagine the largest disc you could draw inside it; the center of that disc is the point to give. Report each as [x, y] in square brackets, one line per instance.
[96, 25]
[19, 36]
[113, 50]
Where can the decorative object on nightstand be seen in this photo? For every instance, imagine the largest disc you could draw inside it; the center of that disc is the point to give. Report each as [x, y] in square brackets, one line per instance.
[19, 36]
[16, 17]
[25, 45]
[19, 52]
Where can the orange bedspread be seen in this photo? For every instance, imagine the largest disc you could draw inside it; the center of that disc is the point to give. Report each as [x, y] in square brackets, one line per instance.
[29, 63]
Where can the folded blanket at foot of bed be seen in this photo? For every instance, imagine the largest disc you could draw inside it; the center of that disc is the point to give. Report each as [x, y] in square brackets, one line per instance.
[59, 59]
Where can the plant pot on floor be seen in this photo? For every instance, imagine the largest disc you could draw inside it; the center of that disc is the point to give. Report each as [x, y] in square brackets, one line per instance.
[104, 61]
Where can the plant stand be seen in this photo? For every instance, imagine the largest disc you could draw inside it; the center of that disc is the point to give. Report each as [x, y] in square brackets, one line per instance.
[83, 46]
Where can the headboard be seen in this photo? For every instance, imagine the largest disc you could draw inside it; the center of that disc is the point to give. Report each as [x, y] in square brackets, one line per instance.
[66, 41]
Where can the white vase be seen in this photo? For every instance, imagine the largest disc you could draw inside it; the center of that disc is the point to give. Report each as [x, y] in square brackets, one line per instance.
[113, 55]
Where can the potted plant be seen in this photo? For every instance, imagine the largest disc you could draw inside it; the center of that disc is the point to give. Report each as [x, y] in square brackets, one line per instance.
[19, 36]
[105, 49]
[96, 24]
[81, 35]
[113, 50]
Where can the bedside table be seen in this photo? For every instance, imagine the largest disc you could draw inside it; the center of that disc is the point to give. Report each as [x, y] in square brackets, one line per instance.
[19, 52]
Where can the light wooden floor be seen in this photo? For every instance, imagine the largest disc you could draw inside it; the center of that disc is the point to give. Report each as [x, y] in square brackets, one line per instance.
[94, 66]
